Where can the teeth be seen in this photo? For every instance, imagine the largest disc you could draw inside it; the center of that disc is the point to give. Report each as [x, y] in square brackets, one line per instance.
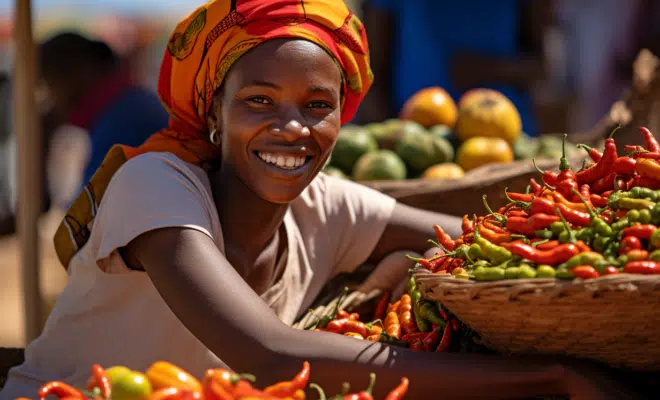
[282, 160]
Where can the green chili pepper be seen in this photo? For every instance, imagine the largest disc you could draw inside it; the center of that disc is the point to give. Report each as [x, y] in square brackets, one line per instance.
[411, 285]
[422, 324]
[476, 253]
[557, 227]
[600, 227]
[493, 252]
[585, 234]
[611, 248]
[600, 265]
[544, 234]
[599, 243]
[621, 224]
[655, 255]
[568, 234]
[545, 271]
[635, 204]
[489, 273]
[654, 241]
[431, 314]
[636, 192]
[562, 273]
[526, 272]
[588, 258]
[644, 216]
[633, 215]
[512, 273]
[481, 263]
[655, 214]
[622, 259]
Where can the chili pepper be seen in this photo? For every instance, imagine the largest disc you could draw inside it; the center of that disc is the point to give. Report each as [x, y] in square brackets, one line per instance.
[560, 199]
[634, 149]
[620, 183]
[394, 307]
[342, 314]
[640, 231]
[527, 226]
[549, 245]
[354, 316]
[634, 204]
[582, 246]
[624, 166]
[289, 388]
[374, 328]
[475, 252]
[645, 182]
[543, 233]
[99, 379]
[443, 238]
[610, 270]
[585, 272]
[406, 321]
[467, 225]
[655, 255]
[494, 252]
[602, 168]
[365, 394]
[446, 339]
[405, 304]
[600, 227]
[566, 186]
[392, 326]
[517, 213]
[652, 155]
[654, 240]
[354, 335]
[642, 267]
[325, 320]
[493, 236]
[637, 255]
[498, 217]
[415, 336]
[174, 393]
[432, 340]
[379, 313]
[648, 168]
[549, 178]
[629, 243]
[489, 273]
[651, 143]
[417, 346]
[598, 201]
[518, 196]
[555, 256]
[429, 313]
[593, 153]
[604, 184]
[536, 187]
[545, 271]
[400, 391]
[588, 258]
[493, 226]
[585, 191]
[60, 390]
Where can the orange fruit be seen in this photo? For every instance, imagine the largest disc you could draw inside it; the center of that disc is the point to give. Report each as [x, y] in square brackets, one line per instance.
[478, 151]
[429, 107]
[488, 113]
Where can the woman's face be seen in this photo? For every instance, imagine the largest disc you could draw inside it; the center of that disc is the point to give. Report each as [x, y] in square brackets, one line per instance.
[278, 117]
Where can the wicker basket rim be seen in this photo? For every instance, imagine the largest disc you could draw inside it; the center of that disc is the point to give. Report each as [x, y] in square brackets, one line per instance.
[549, 286]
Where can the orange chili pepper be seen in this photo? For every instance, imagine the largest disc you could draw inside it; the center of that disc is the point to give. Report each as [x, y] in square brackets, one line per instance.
[394, 307]
[289, 388]
[163, 374]
[392, 325]
[173, 393]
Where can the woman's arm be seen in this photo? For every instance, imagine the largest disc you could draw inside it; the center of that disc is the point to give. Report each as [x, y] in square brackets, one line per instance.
[410, 229]
[222, 311]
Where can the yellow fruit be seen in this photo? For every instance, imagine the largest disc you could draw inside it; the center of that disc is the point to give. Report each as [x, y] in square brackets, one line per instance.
[444, 171]
[429, 107]
[132, 385]
[116, 372]
[488, 113]
[478, 151]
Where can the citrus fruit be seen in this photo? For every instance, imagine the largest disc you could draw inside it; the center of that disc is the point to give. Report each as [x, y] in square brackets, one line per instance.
[444, 171]
[430, 106]
[379, 165]
[478, 151]
[421, 150]
[351, 145]
[488, 113]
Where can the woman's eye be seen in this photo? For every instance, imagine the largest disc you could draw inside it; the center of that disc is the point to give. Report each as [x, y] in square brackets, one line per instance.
[260, 100]
[319, 104]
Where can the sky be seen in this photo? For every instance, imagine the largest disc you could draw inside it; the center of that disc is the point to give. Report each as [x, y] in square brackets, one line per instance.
[83, 7]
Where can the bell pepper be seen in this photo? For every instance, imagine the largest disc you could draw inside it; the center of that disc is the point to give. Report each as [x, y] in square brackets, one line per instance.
[163, 374]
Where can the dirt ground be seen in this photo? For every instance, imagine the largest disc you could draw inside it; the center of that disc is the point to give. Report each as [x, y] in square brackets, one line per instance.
[53, 279]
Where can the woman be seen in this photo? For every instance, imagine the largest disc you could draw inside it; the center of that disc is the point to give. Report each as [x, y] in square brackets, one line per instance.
[217, 233]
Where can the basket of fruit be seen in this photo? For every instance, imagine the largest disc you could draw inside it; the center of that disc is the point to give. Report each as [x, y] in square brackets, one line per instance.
[439, 147]
[572, 267]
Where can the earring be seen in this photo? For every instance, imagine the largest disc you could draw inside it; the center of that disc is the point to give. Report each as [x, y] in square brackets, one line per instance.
[213, 137]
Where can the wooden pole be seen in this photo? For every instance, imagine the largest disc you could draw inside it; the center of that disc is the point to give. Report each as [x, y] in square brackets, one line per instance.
[28, 134]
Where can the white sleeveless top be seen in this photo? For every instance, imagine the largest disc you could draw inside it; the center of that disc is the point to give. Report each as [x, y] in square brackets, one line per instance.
[112, 315]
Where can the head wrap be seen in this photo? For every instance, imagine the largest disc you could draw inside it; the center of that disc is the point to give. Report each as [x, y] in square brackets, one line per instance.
[199, 54]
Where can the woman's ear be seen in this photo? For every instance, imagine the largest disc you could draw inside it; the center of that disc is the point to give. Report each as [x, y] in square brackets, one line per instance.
[214, 119]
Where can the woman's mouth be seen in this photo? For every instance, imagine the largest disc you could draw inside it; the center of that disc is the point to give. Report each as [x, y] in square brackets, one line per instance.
[283, 161]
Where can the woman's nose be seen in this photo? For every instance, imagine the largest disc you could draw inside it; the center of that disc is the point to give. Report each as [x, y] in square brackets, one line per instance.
[291, 131]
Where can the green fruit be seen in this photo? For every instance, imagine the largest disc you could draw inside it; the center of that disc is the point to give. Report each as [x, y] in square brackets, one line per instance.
[389, 132]
[379, 165]
[351, 145]
[334, 171]
[132, 385]
[446, 133]
[526, 147]
[116, 372]
[421, 150]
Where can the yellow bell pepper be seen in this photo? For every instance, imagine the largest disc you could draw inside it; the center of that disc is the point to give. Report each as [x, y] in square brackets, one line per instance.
[163, 374]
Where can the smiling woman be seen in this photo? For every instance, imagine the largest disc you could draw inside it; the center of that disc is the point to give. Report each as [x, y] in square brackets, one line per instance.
[205, 244]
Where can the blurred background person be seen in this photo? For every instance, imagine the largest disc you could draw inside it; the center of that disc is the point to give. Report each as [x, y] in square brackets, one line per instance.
[457, 46]
[97, 103]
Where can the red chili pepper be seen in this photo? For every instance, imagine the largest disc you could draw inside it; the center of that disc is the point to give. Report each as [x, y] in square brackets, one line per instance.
[364, 394]
[432, 340]
[446, 339]
[100, 379]
[652, 145]
[593, 153]
[381, 307]
[400, 391]
[610, 270]
[585, 191]
[455, 325]
[457, 263]
[585, 272]
[653, 156]
[584, 248]
[467, 225]
[631, 148]
[642, 267]
[624, 166]
[443, 238]
[607, 216]
[414, 337]
[443, 314]
[566, 187]
[493, 227]
[640, 231]
[517, 213]
[603, 167]
[417, 346]
[607, 194]
[604, 184]
[494, 237]
[598, 201]
[60, 390]
[527, 226]
[645, 182]
[549, 245]
[536, 188]
[629, 243]
[555, 256]
[288, 388]
[519, 196]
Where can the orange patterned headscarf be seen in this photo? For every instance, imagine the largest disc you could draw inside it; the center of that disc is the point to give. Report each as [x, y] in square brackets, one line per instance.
[199, 54]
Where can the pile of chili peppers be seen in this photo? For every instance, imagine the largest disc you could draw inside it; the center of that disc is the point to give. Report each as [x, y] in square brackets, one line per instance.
[170, 382]
[410, 322]
[600, 220]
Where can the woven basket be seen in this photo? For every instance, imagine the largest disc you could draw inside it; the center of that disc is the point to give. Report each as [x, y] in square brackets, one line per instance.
[613, 319]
